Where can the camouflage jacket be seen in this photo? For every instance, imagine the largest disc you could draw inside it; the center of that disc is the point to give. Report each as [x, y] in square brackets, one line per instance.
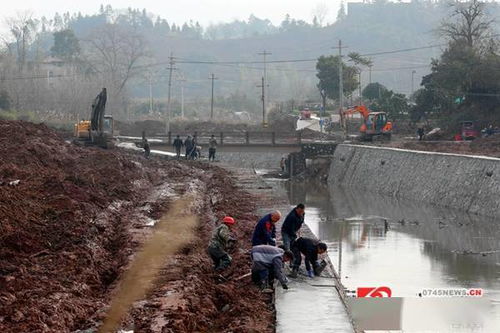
[220, 237]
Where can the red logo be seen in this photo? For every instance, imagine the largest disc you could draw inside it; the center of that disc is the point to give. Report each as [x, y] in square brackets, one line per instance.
[374, 292]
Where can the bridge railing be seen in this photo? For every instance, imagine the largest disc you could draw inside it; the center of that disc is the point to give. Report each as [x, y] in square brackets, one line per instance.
[238, 138]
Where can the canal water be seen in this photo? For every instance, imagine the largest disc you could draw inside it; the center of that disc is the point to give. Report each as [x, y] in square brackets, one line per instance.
[414, 249]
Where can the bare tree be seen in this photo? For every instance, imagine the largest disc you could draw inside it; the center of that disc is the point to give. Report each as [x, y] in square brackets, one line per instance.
[115, 53]
[23, 30]
[467, 23]
[320, 11]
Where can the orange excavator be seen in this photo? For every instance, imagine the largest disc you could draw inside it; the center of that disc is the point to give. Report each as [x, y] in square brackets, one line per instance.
[374, 123]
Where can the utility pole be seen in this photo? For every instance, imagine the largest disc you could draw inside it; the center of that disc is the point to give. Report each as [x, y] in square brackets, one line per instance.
[413, 72]
[341, 91]
[182, 79]
[370, 78]
[262, 97]
[213, 78]
[150, 92]
[265, 84]
[360, 90]
[182, 97]
[170, 68]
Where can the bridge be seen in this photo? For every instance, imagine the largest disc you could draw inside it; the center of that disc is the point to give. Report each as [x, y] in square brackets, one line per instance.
[262, 149]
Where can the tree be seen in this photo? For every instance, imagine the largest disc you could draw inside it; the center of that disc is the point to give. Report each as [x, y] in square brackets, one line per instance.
[374, 91]
[394, 104]
[382, 99]
[467, 23]
[328, 75]
[320, 12]
[358, 59]
[115, 53]
[22, 28]
[66, 45]
[463, 82]
[341, 14]
[4, 100]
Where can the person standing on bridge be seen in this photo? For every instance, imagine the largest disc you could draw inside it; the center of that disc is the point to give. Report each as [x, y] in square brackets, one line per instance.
[265, 230]
[220, 242]
[194, 147]
[420, 133]
[188, 144]
[292, 224]
[212, 146]
[147, 149]
[178, 146]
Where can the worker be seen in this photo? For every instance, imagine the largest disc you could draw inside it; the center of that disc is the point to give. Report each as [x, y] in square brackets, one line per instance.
[188, 144]
[420, 133]
[194, 147]
[212, 146]
[292, 224]
[265, 230]
[220, 242]
[310, 249]
[267, 263]
[282, 164]
[178, 146]
[147, 149]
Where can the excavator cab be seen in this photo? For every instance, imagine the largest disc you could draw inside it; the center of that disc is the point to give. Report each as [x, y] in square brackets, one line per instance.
[99, 129]
[374, 123]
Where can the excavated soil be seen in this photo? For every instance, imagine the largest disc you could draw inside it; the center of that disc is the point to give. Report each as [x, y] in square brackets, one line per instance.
[189, 296]
[71, 219]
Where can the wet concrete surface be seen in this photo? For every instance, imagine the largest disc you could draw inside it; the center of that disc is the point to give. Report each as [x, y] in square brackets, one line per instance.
[424, 247]
[310, 305]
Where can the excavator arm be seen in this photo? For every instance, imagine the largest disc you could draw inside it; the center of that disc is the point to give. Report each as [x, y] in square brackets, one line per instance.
[98, 108]
[363, 110]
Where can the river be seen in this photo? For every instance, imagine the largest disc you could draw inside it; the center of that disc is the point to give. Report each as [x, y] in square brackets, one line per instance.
[419, 248]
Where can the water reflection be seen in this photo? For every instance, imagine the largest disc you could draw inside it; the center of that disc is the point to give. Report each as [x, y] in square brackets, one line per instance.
[425, 247]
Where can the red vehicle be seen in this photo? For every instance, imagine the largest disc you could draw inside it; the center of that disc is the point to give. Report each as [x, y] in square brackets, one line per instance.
[468, 131]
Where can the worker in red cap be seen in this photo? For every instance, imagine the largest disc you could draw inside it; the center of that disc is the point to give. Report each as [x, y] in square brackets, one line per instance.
[220, 242]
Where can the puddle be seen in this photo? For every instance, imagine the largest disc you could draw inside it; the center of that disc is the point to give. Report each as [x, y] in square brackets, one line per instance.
[424, 247]
[171, 232]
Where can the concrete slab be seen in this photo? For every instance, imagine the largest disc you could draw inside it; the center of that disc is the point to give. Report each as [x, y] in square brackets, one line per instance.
[310, 305]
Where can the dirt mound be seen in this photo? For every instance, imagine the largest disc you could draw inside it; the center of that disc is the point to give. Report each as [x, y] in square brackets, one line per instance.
[67, 219]
[489, 146]
[58, 252]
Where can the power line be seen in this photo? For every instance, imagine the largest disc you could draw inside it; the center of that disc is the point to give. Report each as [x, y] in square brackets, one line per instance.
[189, 61]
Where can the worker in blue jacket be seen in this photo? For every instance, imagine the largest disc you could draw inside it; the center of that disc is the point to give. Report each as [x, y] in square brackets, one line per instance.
[310, 248]
[292, 224]
[265, 230]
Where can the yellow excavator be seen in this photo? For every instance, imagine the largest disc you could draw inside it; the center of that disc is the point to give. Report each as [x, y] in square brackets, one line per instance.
[374, 123]
[98, 131]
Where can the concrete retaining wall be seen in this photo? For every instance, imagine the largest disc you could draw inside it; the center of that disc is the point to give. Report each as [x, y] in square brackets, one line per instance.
[470, 183]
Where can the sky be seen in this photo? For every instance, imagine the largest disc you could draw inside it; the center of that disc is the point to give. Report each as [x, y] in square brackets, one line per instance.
[204, 11]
